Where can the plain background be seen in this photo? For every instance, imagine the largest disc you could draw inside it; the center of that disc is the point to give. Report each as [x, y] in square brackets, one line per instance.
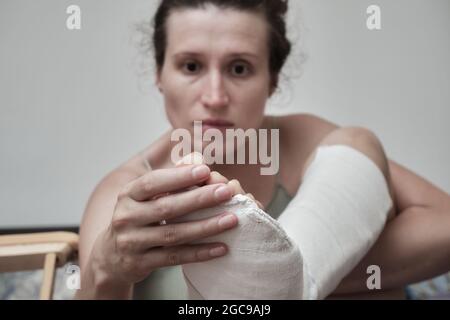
[76, 104]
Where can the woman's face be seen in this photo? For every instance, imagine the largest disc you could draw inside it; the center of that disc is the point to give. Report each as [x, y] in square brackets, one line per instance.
[216, 67]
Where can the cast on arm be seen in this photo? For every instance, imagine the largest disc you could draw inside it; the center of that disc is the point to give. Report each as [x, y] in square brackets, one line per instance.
[415, 246]
[332, 222]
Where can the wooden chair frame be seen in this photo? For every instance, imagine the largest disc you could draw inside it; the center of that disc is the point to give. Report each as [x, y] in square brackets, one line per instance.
[48, 250]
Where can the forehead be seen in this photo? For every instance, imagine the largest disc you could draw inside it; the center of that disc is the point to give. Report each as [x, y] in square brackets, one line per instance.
[210, 29]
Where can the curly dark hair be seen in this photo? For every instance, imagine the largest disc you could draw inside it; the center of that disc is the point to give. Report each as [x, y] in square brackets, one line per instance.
[273, 10]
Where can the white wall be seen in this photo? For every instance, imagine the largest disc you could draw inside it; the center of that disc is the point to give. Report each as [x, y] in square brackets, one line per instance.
[72, 105]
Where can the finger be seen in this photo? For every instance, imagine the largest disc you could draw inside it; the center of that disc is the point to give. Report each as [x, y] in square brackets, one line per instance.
[176, 205]
[165, 180]
[143, 239]
[192, 158]
[215, 178]
[249, 195]
[236, 186]
[172, 256]
[260, 205]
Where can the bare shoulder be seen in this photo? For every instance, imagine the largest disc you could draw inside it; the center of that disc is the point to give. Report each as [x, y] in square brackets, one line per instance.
[308, 125]
[300, 134]
[153, 155]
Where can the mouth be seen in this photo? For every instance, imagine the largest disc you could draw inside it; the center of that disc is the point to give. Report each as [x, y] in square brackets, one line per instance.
[216, 124]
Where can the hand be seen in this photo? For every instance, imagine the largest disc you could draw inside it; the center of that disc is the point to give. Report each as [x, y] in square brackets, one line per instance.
[216, 177]
[136, 243]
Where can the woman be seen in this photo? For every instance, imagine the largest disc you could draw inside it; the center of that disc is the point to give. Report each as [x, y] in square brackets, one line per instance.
[220, 60]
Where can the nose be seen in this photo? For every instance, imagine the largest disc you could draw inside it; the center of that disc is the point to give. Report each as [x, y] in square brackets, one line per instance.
[215, 95]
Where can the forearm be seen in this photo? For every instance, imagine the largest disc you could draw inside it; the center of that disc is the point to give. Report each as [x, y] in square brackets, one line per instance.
[98, 284]
[413, 247]
[95, 285]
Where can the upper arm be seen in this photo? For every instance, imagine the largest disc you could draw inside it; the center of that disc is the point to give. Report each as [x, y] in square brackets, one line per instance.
[411, 190]
[301, 134]
[100, 207]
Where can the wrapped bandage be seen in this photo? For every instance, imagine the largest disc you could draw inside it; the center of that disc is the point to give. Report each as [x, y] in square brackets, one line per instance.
[337, 215]
[332, 222]
[262, 261]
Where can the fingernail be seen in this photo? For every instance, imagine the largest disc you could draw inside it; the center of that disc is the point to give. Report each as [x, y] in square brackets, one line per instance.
[217, 252]
[200, 172]
[223, 193]
[228, 221]
[192, 158]
[197, 158]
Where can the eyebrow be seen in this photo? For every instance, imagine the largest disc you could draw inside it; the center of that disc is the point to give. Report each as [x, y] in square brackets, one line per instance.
[233, 55]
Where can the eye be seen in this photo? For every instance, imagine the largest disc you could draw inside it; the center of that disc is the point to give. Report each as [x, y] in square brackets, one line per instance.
[240, 69]
[191, 67]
